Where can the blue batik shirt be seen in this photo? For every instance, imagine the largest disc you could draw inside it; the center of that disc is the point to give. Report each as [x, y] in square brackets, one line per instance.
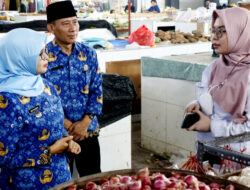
[27, 126]
[78, 81]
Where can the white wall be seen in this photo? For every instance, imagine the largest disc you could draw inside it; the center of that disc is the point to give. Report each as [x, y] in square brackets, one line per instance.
[163, 106]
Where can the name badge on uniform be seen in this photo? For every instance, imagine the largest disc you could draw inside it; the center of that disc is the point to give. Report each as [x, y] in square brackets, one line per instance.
[35, 110]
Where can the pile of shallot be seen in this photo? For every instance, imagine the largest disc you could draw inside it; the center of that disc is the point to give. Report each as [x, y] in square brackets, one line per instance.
[157, 181]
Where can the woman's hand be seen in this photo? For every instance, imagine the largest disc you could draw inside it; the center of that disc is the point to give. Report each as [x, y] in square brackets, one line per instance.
[60, 145]
[192, 108]
[74, 147]
[203, 124]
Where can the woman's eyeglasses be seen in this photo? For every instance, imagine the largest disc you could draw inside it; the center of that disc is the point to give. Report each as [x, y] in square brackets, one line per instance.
[218, 31]
[44, 54]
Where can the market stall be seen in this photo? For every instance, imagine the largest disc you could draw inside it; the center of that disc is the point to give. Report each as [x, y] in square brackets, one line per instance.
[128, 61]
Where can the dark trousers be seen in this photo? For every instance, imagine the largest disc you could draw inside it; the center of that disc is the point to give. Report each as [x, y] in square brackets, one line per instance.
[89, 160]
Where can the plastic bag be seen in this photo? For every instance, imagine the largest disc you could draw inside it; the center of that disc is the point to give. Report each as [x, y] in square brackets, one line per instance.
[143, 36]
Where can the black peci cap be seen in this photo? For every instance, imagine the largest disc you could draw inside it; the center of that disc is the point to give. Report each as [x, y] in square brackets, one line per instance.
[58, 10]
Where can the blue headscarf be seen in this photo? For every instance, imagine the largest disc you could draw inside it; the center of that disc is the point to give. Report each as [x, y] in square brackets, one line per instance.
[19, 53]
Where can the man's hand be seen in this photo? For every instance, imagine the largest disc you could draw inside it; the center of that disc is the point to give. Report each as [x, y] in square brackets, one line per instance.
[67, 123]
[79, 129]
[60, 145]
[74, 147]
[202, 125]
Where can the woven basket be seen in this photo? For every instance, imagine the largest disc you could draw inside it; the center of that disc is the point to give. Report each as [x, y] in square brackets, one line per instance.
[97, 177]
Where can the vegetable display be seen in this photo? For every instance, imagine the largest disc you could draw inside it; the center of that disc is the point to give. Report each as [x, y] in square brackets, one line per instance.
[143, 180]
[178, 37]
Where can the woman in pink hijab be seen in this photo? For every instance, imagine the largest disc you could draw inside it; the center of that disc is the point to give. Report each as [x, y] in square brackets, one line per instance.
[226, 81]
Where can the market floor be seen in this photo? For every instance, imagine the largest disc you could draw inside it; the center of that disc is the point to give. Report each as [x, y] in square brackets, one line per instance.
[140, 157]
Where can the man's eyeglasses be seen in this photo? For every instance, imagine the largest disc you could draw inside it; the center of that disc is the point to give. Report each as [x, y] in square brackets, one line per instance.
[44, 54]
[218, 31]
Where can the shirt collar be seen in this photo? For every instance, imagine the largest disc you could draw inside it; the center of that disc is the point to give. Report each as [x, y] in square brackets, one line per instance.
[57, 49]
[77, 47]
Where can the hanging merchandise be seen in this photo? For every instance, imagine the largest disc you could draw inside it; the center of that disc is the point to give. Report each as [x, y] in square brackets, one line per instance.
[45, 4]
[40, 5]
[18, 4]
[6, 5]
[13, 5]
[1, 5]
[24, 6]
[32, 6]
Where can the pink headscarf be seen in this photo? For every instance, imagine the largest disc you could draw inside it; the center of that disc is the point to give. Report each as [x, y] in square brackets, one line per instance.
[232, 97]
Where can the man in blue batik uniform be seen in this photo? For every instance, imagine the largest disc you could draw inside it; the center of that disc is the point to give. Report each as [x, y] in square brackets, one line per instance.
[73, 69]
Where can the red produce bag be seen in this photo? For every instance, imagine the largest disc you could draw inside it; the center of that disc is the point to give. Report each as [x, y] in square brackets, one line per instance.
[143, 36]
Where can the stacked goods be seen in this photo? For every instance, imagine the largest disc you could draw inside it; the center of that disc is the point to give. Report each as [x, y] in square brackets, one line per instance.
[167, 179]
[118, 24]
[178, 37]
[172, 12]
[201, 37]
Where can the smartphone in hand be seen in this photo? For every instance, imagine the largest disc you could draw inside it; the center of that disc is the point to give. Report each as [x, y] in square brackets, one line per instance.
[189, 120]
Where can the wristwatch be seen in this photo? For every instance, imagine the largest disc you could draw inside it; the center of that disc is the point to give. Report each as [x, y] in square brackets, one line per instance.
[91, 116]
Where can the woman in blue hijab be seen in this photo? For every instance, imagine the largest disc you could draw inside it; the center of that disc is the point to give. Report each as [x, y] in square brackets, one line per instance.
[32, 137]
